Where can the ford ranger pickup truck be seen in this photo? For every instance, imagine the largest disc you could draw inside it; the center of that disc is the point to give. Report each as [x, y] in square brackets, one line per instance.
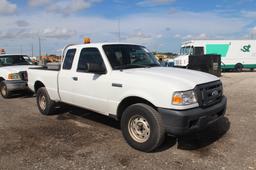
[13, 73]
[126, 82]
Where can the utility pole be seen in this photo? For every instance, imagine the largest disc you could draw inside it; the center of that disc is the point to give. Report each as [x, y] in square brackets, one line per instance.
[119, 30]
[40, 48]
[32, 50]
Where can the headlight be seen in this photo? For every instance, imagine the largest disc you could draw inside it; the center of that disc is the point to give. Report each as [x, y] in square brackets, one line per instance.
[184, 98]
[14, 76]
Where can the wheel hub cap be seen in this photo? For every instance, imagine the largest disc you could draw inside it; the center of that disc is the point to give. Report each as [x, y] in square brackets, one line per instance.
[42, 102]
[4, 90]
[139, 129]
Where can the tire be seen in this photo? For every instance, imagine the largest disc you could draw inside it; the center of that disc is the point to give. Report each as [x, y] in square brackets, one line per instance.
[4, 91]
[44, 103]
[143, 119]
[239, 67]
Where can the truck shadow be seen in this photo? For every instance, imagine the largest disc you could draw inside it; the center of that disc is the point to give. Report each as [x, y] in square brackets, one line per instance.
[192, 141]
[22, 94]
[86, 114]
[198, 140]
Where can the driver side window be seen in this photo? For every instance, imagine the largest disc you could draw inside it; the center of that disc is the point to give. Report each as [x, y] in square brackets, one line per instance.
[89, 55]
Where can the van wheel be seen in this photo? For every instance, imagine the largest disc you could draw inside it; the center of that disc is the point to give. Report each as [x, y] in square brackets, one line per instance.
[44, 103]
[142, 127]
[239, 67]
[4, 91]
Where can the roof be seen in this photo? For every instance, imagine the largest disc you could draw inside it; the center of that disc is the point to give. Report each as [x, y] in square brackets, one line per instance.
[1, 55]
[101, 44]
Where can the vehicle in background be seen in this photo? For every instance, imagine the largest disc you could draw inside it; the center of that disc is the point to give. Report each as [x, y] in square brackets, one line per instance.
[126, 82]
[2, 51]
[169, 63]
[235, 54]
[13, 73]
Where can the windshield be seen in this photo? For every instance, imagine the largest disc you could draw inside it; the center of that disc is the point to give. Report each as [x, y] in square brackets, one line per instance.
[129, 56]
[11, 60]
[188, 50]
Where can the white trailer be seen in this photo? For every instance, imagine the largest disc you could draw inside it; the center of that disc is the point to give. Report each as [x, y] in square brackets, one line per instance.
[235, 54]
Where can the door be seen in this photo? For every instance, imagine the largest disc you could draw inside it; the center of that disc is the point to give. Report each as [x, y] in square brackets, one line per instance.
[90, 89]
[66, 77]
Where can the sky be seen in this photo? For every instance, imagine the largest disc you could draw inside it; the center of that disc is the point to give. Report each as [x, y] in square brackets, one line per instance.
[160, 25]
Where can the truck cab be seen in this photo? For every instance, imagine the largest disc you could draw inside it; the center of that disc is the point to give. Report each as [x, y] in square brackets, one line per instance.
[186, 50]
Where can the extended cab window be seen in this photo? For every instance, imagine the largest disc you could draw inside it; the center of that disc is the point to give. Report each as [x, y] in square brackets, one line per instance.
[89, 55]
[67, 65]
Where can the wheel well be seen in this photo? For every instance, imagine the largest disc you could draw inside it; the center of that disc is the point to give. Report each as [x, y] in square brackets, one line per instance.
[130, 101]
[239, 64]
[38, 85]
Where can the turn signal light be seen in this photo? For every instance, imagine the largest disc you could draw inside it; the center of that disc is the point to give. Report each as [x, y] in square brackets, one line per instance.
[177, 100]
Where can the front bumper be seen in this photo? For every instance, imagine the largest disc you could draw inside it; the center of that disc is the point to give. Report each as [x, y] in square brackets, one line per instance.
[180, 122]
[15, 85]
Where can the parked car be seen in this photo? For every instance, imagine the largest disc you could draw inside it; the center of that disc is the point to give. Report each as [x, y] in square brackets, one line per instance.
[169, 63]
[13, 73]
[126, 82]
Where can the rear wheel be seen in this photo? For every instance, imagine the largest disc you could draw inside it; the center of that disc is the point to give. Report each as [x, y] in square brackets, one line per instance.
[45, 105]
[4, 90]
[239, 67]
[142, 127]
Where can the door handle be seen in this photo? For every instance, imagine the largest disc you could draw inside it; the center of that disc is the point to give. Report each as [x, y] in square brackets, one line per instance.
[75, 78]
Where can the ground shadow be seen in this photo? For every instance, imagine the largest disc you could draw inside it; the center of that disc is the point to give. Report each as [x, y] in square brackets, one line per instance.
[21, 94]
[198, 140]
[204, 138]
[192, 141]
[86, 114]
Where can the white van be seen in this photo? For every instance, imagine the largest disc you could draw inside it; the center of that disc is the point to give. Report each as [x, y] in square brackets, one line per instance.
[235, 54]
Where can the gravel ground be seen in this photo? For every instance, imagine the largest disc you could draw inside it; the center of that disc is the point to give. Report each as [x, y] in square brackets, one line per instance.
[79, 139]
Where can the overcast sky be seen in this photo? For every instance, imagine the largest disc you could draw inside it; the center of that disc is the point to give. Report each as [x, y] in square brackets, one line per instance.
[161, 25]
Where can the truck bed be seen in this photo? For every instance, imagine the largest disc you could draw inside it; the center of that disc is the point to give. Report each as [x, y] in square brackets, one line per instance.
[45, 68]
[47, 77]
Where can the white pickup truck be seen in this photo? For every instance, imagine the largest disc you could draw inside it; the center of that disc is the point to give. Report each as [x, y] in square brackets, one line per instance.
[126, 82]
[13, 73]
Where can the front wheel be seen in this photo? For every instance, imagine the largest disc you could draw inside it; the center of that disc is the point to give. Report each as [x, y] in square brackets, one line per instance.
[44, 103]
[4, 90]
[142, 127]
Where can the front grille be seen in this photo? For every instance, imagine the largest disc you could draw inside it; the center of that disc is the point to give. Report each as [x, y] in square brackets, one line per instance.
[209, 94]
[23, 75]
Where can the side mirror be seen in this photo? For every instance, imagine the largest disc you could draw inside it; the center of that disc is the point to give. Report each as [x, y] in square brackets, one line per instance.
[96, 68]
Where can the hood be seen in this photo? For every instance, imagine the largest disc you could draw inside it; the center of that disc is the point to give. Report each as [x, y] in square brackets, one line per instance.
[16, 69]
[182, 79]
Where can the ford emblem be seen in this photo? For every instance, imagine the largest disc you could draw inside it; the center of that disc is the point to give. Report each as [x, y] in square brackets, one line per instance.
[215, 93]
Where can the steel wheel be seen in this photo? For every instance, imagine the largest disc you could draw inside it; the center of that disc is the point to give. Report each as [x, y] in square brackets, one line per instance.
[139, 128]
[4, 90]
[42, 102]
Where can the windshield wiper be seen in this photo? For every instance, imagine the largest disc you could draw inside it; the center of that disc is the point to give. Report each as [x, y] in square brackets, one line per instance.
[154, 65]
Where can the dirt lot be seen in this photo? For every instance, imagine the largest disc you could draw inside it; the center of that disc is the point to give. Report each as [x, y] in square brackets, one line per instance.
[79, 139]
